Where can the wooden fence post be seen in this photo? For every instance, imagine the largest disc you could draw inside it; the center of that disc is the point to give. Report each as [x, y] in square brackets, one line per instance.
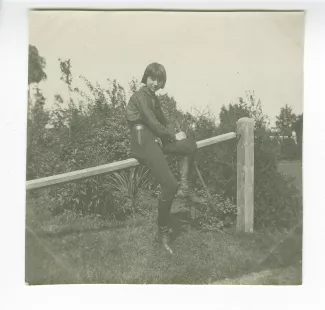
[245, 175]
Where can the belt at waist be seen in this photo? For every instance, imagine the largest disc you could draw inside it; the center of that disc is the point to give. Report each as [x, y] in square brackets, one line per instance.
[137, 126]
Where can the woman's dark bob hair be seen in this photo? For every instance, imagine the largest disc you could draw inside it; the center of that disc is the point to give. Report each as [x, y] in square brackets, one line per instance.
[155, 71]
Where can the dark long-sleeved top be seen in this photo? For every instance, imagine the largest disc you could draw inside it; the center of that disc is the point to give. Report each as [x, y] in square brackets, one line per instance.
[144, 108]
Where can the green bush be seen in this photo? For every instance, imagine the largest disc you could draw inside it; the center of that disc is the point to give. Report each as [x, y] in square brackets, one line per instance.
[289, 150]
[276, 198]
[218, 212]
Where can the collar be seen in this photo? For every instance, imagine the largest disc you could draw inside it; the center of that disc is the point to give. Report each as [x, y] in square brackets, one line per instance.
[148, 91]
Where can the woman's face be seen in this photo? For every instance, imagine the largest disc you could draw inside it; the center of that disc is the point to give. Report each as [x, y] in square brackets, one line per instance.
[154, 84]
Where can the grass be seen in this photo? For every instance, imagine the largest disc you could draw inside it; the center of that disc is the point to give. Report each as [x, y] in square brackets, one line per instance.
[89, 249]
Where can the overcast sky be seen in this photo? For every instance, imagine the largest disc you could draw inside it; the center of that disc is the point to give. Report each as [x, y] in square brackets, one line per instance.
[210, 58]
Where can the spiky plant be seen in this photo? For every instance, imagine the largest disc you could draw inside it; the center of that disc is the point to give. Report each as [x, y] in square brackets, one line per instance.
[130, 184]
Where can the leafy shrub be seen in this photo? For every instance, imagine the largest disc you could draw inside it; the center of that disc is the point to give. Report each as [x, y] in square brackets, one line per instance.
[87, 197]
[289, 150]
[277, 203]
[276, 199]
[219, 213]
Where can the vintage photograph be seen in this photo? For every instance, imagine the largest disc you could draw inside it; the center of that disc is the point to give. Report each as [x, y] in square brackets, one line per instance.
[164, 147]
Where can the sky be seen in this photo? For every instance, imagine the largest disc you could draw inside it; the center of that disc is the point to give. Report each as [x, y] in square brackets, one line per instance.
[211, 58]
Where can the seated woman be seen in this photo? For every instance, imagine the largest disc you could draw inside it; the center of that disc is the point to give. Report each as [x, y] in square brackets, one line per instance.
[148, 122]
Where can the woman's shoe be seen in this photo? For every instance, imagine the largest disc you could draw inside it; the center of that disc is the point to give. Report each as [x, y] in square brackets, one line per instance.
[164, 239]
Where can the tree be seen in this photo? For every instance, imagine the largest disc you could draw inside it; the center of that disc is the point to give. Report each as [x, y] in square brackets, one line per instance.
[36, 66]
[40, 116]
[36, 130]
[36, 73]
[66, 75]
[229, 116]
[134, 85]
[285, 121]
[248, 106]
[254, 106]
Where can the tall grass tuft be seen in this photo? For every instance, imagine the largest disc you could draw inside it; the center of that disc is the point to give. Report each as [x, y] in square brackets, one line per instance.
[130, 185]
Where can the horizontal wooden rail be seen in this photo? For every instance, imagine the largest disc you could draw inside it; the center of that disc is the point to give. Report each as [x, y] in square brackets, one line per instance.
[216, 139]
[115, 166]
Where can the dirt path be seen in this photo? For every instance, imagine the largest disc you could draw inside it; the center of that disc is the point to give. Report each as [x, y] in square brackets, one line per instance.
[280, 276]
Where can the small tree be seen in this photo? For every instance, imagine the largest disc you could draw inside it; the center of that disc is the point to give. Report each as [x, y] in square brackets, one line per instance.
[66, 76]
[36, 66]
[36, 74]
[134, 85]
[285, 120]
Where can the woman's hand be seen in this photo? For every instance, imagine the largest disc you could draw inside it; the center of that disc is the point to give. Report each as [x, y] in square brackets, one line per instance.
[159, 142]
[180, 135]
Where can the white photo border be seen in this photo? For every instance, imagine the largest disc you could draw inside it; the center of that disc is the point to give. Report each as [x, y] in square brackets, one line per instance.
[13, 94]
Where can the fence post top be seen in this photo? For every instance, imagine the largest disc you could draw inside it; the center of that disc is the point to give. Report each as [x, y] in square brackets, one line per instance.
[246, 120]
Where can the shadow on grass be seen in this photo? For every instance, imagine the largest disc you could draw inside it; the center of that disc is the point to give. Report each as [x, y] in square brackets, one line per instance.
[112, 226]
[181, 222]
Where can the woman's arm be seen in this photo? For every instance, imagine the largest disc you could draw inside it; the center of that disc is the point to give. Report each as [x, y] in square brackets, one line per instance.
[147, 114]
[161, 116]
[163, 120]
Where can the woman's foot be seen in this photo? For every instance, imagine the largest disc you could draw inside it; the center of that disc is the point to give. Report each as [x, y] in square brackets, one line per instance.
[164, 239]
[165, 242]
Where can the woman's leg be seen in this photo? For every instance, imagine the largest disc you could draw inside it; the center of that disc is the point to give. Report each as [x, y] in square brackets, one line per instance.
[185, 148]
[157, 164]
[147, 151]
[154, 159]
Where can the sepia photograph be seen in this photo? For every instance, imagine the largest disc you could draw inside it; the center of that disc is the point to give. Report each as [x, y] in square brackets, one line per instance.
[164, 147]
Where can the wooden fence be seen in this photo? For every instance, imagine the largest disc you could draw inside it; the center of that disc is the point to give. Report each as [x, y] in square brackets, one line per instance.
[245, 171]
